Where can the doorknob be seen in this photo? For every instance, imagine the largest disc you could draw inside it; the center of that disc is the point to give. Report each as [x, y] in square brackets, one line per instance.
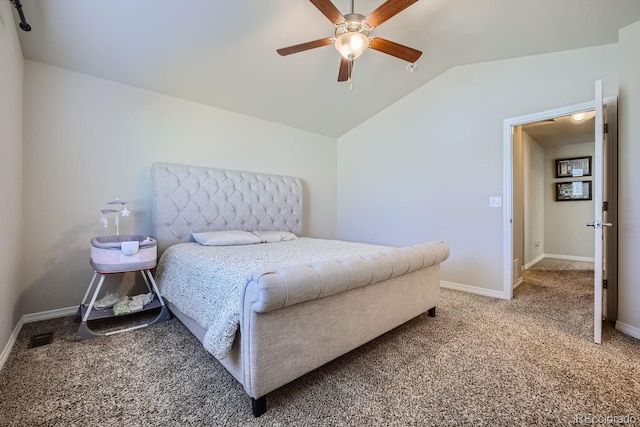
[598, 224]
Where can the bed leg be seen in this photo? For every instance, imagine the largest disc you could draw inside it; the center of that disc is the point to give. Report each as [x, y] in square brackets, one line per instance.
[259, 405]
[431, 312]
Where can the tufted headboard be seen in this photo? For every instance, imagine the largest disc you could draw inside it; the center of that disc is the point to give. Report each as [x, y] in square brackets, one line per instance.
[192, 199]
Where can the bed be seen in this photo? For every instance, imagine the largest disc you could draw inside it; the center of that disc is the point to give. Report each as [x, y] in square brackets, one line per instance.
[269, 304]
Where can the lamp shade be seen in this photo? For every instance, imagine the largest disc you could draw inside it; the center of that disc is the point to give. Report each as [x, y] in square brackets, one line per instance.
[351, 44]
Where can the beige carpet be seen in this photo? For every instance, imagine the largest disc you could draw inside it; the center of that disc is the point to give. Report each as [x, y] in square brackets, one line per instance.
[480, 361]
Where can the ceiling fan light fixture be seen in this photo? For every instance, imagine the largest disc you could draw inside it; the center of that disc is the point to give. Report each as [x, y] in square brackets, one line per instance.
[351, 44]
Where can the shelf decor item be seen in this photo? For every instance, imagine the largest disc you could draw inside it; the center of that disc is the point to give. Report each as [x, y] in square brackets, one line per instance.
[573, 190]
[573, 167]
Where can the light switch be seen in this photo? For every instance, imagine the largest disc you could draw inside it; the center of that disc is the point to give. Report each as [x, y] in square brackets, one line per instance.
[495, 202]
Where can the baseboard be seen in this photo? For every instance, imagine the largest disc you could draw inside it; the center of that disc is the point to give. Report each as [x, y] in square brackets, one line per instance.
[50, 314]
[628, 329]
[535, 261]
[570, 257]
[472, 289]
[12, 340]
[28, 318]
[519, 282]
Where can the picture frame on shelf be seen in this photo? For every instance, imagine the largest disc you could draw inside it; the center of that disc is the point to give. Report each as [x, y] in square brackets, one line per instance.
[573, 191]
[573, 167]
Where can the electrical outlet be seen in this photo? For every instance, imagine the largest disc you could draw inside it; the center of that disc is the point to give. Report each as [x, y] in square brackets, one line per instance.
[495, 202]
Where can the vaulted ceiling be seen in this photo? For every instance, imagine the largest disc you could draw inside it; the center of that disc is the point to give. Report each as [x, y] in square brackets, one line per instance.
[223, 53]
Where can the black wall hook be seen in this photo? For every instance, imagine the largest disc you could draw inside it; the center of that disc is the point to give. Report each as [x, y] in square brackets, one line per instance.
[23, 21]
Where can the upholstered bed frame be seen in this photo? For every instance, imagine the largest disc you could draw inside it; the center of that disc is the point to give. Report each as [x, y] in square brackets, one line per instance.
[290, 327]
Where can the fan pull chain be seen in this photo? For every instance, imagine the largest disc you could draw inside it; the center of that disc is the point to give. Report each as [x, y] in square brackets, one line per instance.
[350, 67]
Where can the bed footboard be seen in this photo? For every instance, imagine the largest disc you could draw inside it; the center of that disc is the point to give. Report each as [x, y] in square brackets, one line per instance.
[299, 318]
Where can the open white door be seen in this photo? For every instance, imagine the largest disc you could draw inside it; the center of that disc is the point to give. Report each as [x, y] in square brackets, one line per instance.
[598, 197]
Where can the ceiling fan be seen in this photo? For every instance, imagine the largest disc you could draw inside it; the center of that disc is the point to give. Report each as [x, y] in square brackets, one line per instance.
[352, 35]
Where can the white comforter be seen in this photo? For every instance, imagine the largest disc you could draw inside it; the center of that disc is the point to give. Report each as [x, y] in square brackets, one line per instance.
[206, 282]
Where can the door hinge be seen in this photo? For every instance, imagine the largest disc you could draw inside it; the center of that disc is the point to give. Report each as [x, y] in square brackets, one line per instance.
[604, 284]
[605, 206]
[605, 128]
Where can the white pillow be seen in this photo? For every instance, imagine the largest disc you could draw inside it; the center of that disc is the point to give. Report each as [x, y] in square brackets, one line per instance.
[226, 238]
[274, 236]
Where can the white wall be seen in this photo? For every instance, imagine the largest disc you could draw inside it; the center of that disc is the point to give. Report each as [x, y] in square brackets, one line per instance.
[565, 230]
[88, 141]
[424, 168]
[628, 178]
[534, 199]
[11, 66]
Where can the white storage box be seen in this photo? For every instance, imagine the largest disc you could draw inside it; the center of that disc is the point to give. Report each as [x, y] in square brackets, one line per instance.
[116, 254]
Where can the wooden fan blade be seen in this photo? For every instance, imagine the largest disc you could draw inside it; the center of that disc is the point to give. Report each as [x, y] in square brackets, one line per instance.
[343, 74]
[395, 49]
[303, 46]
[387, 10]
[329, 10]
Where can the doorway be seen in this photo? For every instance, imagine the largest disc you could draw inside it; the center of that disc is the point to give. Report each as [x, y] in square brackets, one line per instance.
[527, 186]
[546, 224]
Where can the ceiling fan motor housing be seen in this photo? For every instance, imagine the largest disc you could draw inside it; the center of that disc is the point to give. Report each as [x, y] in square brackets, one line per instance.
[353, 22]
